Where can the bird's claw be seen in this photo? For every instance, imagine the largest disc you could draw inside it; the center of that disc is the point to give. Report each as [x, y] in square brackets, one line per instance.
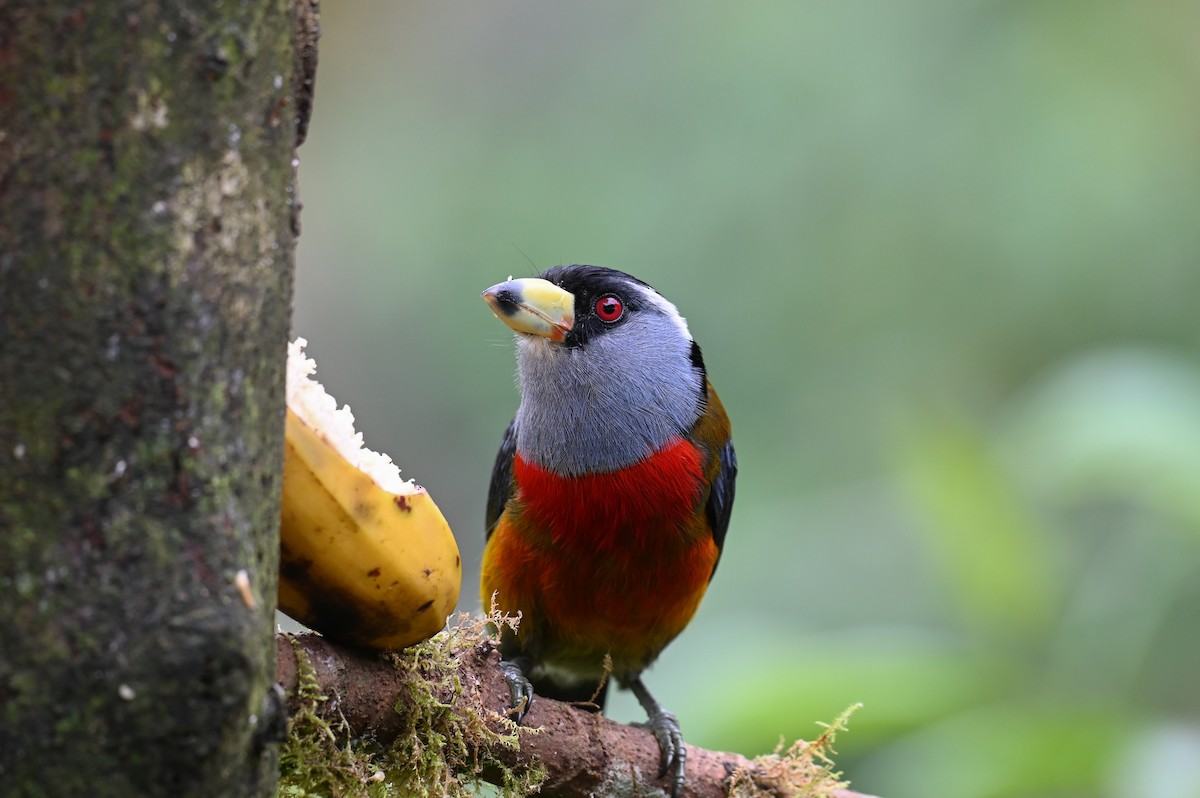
[520, 688]
[665, 728]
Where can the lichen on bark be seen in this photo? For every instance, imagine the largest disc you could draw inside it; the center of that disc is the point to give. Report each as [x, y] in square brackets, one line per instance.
[147, 219]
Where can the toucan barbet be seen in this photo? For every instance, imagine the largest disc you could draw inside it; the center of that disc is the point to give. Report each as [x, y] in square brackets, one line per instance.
[611, 493]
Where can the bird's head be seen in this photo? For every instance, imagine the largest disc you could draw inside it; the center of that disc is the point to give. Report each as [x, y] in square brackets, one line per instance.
[607, 367]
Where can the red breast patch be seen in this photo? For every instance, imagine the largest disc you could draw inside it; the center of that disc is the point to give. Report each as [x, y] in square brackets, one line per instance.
[605, 510]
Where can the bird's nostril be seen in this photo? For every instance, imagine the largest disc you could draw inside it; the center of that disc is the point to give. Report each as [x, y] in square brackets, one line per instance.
[502, 301]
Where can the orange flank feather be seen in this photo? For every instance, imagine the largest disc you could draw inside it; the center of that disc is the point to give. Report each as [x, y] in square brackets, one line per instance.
[610, 563]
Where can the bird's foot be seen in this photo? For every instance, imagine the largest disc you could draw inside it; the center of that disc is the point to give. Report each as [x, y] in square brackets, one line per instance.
[665, 728]
[519, 686]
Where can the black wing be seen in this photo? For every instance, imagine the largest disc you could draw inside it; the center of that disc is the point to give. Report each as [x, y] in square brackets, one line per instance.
[500, 489]
[720, 499]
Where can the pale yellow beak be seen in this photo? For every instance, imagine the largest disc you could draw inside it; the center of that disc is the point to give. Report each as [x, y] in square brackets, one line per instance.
[533, 306]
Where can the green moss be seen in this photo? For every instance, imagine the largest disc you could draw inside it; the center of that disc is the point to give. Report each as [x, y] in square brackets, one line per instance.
[442, 748]
[312, 762]
[804, 770]
[440, 751]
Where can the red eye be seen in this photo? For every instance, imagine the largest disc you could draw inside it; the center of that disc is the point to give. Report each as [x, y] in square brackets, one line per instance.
[609, 308]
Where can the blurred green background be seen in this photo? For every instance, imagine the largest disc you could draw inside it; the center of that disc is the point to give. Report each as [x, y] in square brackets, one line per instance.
[943, 261]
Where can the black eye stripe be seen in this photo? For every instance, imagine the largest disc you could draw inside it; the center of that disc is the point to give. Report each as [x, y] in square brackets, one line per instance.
[589, 284]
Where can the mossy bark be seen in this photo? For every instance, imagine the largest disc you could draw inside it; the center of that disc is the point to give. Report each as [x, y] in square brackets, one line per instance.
[147, 223]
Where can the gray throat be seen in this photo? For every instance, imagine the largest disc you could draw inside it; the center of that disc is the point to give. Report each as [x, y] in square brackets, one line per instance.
[609, 403]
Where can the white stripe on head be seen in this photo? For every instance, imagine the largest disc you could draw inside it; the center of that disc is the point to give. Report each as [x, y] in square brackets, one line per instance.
[667, 308]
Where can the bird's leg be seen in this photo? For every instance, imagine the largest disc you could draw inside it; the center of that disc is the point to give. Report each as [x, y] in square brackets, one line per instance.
[518, 685]
[665, 727]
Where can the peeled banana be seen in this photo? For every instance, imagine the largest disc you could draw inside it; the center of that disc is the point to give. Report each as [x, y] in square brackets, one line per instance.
[366, 557]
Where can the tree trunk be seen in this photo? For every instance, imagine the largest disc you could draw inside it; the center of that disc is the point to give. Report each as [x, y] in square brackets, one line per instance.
[147, 225]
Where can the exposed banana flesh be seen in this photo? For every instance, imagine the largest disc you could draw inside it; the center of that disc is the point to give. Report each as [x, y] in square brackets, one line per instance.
[366, 557]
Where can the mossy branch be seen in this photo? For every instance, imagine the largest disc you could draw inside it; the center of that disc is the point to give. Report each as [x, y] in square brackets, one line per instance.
[431, 717]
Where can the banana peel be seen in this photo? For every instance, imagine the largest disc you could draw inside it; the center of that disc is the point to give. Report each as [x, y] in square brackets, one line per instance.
[366, 558]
